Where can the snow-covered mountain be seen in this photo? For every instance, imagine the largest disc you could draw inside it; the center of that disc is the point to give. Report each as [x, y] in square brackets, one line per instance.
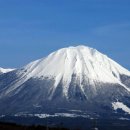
[73, 78]
[2, 70]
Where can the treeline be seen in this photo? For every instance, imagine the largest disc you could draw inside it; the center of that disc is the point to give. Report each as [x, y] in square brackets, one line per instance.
[13, 126]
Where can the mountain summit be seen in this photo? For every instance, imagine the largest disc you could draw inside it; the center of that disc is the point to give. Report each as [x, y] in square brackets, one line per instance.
[70, 78]
[83, 62]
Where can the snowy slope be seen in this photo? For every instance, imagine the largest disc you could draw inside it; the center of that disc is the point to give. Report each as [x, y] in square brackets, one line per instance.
[80, 61]
[2, 70]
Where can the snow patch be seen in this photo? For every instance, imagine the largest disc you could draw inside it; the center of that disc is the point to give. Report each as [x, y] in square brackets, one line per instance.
[2, 70]
[1, 116]
[122, 118]
[120, 105]
[72, 115]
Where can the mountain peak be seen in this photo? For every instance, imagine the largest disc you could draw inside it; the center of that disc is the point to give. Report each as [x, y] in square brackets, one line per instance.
[80, 48]
[80, 61]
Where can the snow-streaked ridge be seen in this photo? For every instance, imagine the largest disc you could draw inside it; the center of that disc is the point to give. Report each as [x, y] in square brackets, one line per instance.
[2, 70]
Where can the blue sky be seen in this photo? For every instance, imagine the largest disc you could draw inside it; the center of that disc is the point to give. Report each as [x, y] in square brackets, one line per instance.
[31, 29]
